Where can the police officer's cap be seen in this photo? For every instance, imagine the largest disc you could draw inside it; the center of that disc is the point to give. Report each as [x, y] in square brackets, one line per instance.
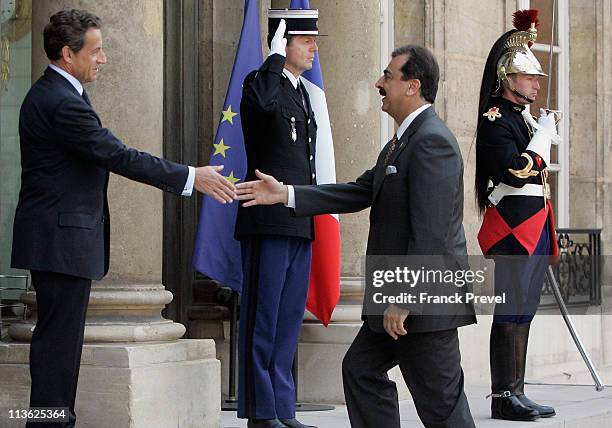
[300, 22]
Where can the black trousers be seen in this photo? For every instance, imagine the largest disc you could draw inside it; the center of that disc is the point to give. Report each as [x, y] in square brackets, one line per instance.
[431, 366]
[55, 352]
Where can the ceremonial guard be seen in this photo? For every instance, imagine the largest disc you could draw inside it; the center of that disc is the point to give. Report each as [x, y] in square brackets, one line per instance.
[280, 135]
[512, 157]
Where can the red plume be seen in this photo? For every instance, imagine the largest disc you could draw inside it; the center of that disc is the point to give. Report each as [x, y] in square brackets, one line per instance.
[524, 18]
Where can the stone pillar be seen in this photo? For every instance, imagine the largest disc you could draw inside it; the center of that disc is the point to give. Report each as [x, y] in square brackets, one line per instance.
[350, 62]
[160, 381]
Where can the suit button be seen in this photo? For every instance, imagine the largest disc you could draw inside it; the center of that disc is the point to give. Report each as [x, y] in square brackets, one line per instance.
[308, 120]
[310, 157]
[313, 176]
[309, 140]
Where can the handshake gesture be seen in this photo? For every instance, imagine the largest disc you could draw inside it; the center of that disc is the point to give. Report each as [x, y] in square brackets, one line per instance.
[265, 191]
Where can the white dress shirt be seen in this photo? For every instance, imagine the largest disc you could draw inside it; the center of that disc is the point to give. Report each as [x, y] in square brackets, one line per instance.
[400, 131]
[294, 80]
[187, 189]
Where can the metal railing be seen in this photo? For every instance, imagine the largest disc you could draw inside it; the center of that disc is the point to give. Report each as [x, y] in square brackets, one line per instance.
[579, 269]
[11, 309]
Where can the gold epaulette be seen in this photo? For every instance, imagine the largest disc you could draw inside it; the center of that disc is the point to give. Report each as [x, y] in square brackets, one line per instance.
[527, 171]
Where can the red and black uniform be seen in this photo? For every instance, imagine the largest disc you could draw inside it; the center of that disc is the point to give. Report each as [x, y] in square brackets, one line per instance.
[514, 226]
[521, 227]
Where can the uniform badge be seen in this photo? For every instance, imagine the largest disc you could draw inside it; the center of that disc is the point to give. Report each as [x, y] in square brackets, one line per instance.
[492, 114]
[293, 130]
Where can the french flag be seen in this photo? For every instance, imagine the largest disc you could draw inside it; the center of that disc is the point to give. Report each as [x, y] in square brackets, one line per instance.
[324, 289]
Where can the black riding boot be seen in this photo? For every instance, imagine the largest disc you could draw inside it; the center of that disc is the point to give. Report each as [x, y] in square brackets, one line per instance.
[520, 353]
[505, 404]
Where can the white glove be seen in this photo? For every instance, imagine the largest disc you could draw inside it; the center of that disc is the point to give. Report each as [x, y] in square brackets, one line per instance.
[547, 121]
[279, 42]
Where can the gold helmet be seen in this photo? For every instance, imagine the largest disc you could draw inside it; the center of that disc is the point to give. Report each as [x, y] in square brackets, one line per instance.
[517, 56]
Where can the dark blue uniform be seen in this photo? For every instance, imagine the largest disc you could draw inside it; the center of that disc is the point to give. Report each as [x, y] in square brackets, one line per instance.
[280, 136]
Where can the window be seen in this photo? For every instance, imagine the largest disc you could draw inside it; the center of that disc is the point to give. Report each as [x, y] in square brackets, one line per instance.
[15, 81]
[557, 94]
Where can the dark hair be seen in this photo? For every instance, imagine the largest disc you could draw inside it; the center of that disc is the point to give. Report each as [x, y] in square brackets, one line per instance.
[68, 28]
[490, 86]
[422, 65]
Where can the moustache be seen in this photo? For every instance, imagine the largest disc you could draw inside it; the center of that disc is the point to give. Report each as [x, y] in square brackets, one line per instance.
[382, 92]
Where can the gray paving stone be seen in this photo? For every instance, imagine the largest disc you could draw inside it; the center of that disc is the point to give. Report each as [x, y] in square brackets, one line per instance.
[577, 407]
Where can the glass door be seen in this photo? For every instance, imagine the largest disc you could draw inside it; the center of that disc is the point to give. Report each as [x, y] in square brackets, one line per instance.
[15, 81]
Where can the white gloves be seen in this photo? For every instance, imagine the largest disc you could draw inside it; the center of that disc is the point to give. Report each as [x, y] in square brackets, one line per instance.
[545, 134]
[279, 42]
[547, 121]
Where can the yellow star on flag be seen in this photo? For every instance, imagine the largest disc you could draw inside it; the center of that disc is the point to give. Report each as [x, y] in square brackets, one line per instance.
[231, 178]
[220, 148]
[228, 115]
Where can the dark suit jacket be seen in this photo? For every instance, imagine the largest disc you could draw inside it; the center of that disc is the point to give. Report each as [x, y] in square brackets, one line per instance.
[416, 211]
[270, 109]
[62, 218]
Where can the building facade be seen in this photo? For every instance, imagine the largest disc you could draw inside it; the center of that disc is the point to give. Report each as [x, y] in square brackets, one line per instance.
[163, 88]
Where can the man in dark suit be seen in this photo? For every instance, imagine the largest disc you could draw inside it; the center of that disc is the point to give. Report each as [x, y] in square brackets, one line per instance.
[415, 192]
[62, 228]
[280, 136]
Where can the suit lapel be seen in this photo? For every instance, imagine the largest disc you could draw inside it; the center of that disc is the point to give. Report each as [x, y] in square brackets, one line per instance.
[414, 127]
[402, 144]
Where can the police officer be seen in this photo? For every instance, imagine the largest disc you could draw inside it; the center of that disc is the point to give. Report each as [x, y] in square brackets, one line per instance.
[512, 155]
[280, 135]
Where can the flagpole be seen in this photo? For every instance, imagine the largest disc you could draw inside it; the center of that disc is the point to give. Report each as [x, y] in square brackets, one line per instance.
[302, 407]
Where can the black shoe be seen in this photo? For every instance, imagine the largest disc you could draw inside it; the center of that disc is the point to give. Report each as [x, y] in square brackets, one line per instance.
[544, 411]
[265, 423]
[294, 423]
[511, 409]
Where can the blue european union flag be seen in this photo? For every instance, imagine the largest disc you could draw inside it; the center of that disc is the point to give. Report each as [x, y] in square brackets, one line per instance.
[216, 253]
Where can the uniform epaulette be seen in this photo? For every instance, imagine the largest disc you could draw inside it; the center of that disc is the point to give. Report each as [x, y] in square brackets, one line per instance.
[492, 114]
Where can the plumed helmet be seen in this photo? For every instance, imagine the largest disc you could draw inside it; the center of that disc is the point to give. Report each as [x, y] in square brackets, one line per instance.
[517, 56]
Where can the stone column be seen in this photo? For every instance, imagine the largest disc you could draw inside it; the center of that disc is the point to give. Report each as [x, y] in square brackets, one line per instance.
[128, 95]
[350, 61]
[156, 381]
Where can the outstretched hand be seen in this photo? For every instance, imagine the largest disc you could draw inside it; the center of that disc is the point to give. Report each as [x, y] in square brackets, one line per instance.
[209, 181]
[265, 191]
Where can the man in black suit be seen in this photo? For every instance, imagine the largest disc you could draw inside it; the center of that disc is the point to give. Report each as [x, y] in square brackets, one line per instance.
[61, 228]
[415, 192]
[280, 136]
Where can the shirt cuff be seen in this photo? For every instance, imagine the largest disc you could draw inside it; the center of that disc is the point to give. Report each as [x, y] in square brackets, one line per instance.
[290, 197]
[188, 189]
